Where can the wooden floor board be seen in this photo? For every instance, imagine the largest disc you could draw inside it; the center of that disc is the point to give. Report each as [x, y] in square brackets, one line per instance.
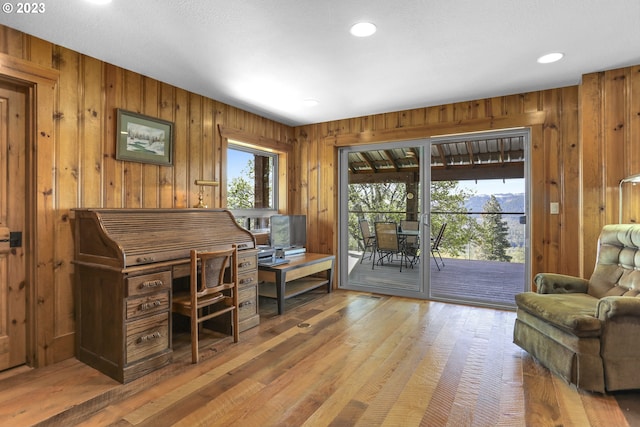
[367, 378]
[339, 359]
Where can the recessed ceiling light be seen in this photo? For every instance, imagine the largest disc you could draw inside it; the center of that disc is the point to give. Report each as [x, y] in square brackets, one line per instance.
[550, 57]
[310, 102]
[363, 29]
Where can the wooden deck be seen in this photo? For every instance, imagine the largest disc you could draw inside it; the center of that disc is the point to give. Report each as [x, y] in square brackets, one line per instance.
[343, 359]
[468, 281]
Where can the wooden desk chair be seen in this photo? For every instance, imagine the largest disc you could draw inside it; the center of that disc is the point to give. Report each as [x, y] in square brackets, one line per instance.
[210, 295]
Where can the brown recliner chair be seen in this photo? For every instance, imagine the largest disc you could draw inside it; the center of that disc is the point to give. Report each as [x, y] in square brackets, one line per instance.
[588, 331]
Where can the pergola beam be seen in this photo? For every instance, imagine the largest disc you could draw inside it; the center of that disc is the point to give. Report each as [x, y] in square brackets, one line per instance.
[451, 173]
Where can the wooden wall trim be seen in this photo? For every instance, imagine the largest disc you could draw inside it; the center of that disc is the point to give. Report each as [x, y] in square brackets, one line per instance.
[26, 71]
[436, 129]
[250, 138]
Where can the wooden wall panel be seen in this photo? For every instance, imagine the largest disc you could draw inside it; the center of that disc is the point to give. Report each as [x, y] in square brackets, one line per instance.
[77, 166]
[553, 150]
[570, 182]
[610, 126]
[66, 187]
[90, 129]
[166, 178]
[553, 117]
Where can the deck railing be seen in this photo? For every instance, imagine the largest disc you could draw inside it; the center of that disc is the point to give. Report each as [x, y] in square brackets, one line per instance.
[460, 237]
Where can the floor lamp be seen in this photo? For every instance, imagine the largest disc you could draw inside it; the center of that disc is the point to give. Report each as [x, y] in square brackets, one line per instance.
[632, 178]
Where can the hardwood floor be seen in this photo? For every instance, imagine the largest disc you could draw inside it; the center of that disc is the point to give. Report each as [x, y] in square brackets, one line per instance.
[343, 359]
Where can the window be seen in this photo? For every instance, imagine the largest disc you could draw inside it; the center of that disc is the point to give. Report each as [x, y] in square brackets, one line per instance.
[251, 184]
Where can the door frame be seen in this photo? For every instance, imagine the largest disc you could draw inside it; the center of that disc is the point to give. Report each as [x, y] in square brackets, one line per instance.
[425, 180]
[41, 84]
[343, 210]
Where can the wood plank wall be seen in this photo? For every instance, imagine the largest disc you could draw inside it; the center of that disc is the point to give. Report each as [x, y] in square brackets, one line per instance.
[610, 126]
[80, 169]
[584, 140]
[552, 116]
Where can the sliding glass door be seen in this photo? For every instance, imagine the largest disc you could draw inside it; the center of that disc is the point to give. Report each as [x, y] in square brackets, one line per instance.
[382, 226]
[478, 215]
[443, 219]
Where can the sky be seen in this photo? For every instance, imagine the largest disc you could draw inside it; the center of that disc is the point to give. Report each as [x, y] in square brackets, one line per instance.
[494, 186]
[236, 161]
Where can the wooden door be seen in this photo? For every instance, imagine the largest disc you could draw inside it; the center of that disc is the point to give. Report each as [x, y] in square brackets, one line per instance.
[13, 289]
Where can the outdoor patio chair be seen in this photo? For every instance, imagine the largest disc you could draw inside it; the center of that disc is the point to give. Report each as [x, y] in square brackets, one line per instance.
[387, 243]
[435, 245]
[411, 244]
[368, 239]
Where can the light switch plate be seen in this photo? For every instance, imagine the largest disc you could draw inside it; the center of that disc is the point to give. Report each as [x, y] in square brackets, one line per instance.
[554, 208]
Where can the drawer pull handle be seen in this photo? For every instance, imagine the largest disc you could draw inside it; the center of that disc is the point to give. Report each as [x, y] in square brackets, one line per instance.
[247, 280]
[244, 264]
[245, 303]
[145, 259]
[149, 305]
[151, 284]
[153, 336]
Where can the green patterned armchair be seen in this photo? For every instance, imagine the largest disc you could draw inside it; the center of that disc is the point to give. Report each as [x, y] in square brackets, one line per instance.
[588, 331]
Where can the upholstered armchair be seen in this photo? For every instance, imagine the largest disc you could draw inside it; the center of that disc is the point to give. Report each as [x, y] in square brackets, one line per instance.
[588, 331]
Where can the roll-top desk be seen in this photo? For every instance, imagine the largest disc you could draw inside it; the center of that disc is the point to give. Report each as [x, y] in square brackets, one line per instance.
[125, 264]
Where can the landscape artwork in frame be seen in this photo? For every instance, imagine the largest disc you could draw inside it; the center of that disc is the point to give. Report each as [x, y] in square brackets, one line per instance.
[144, 139]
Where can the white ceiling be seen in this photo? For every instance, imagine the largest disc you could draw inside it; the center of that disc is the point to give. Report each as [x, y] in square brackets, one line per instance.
[268, 56]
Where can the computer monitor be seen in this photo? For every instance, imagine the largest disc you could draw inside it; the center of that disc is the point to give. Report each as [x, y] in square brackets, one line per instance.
[288, 231]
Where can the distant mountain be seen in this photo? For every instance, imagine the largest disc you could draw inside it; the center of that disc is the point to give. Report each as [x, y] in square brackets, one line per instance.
[513, 207]
[509, 202]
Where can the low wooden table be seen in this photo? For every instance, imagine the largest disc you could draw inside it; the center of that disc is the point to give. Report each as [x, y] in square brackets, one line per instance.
[287, 280]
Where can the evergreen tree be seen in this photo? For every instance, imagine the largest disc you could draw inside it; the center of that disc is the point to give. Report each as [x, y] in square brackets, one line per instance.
[240, 191]
[493, 232]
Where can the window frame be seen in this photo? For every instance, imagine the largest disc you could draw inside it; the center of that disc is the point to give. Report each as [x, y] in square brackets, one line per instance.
[239, 146]
[249, 218]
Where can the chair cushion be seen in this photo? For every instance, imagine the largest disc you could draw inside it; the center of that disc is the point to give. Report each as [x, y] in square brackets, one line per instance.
[573, 313]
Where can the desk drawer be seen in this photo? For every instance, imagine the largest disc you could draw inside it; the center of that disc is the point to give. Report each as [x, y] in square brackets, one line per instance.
[147, 304]
[147, 336]
[247, 279]
[248, 302]
[147, 283]
[247, 262]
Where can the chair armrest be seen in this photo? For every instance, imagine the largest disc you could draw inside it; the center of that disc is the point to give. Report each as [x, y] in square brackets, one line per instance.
[552, 283]
[617, 306]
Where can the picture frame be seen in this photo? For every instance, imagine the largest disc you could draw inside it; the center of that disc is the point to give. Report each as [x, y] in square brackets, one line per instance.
[144, 139]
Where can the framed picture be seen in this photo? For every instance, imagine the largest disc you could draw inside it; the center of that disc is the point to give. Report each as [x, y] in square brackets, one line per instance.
[144, 139]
